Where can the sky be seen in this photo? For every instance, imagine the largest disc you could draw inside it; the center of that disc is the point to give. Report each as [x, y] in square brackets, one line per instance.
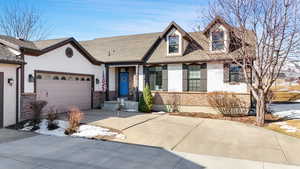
[89, 19]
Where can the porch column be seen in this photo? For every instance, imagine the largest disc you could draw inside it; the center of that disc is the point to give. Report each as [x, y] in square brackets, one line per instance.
[137, 82]
[107, 82]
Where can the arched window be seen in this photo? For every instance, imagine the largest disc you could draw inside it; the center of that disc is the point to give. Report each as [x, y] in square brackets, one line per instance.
[55, 78]
[82, 79]
[88, 79]
[63, 78]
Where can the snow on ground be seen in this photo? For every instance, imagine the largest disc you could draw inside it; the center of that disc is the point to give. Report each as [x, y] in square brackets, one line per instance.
[286, 127]
[86, 131]
[89, 131]
[290, 111]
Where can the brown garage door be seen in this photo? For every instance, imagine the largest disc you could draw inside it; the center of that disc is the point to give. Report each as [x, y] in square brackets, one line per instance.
[64, 91]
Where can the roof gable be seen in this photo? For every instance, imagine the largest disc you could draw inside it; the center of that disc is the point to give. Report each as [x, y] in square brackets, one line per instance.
[217, 20]
[60, 43]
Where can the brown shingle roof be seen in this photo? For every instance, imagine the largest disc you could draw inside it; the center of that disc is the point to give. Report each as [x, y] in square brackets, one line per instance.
[18, 42]
[120, 48]
[7, 56]
[42, 44]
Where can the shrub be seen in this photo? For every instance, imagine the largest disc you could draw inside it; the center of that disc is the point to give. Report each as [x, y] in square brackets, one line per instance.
[74, 118]
[51, 117]
[227, 103]
[146, 100]
[37, 107]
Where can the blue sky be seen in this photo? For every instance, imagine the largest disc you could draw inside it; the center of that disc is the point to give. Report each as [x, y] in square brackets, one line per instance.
[88, 19]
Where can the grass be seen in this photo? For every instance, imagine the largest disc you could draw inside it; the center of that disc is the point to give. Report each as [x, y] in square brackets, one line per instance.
[243, 119]
[285, 93]
[276, 127]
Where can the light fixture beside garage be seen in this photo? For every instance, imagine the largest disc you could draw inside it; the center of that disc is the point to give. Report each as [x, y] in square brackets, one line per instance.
[30, 78]
[10, 81]
[69, 52]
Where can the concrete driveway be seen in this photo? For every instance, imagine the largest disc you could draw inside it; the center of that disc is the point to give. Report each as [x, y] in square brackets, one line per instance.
[50, 152]
[204, 137]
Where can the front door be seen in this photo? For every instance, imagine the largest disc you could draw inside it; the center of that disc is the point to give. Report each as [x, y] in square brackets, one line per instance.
[123, 84]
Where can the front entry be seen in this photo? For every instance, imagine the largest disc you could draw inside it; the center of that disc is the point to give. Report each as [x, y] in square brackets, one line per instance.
[123, 84]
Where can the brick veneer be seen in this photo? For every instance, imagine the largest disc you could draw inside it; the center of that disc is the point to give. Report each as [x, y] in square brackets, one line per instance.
[189, 98]
[26, 99]
[98, 99]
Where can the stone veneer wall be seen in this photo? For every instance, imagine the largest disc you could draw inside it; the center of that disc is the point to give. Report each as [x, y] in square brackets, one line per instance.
[189, 99]
[98, 99]
[26, 112]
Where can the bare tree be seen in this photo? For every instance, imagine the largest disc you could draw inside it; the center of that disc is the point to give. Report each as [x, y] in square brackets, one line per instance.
[274, 26]
[23, 21]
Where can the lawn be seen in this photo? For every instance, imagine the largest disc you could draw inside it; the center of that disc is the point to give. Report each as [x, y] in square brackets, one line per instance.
[288, 127]
[286, 93]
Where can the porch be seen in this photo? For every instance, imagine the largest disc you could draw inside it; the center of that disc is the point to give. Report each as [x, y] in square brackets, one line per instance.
[124, 82]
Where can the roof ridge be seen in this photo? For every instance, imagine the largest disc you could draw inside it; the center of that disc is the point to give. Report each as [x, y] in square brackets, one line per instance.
[119, 36]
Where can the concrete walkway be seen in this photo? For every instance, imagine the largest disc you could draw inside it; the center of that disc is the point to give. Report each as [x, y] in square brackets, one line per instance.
[206, 137]
[50, 152]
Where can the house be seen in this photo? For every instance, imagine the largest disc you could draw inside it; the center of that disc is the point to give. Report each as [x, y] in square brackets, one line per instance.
[175, 64]
[65, 72]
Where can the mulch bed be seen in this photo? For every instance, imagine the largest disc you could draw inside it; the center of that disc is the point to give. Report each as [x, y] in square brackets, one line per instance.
[269, 118]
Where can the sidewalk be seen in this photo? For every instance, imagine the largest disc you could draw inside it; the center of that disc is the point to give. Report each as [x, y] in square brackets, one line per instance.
[213, 162]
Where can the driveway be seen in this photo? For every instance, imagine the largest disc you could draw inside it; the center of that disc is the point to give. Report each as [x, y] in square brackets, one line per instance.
[50, 152]
[204, 137]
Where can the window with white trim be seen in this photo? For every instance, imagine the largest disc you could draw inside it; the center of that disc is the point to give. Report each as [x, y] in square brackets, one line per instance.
[173, 41]
[218, 40]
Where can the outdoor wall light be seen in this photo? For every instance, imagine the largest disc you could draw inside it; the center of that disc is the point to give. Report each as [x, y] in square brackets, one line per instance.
[97, 81]
[30, 78]
[10, 81]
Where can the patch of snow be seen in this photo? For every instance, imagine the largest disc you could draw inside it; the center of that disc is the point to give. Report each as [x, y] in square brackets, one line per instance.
[130, 110]
[60, 131]
[161, 112]
[290, 111]
[86, 131]
[286, 127]
[89, 131]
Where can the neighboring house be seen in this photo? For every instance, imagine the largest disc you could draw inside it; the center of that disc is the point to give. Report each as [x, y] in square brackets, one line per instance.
[64, 72]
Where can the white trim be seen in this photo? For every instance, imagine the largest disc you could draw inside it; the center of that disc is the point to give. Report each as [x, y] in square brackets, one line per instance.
[176, 32]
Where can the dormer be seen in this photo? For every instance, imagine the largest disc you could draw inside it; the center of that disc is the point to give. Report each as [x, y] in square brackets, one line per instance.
[218, 33]
[174, 43]
[219, 39]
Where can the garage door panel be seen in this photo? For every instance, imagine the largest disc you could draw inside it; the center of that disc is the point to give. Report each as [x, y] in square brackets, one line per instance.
[63, 94]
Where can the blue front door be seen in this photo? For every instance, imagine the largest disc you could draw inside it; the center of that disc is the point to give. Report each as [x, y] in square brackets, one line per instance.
[123, 83]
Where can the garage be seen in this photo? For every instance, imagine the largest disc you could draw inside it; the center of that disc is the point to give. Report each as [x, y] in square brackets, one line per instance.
[64, 90]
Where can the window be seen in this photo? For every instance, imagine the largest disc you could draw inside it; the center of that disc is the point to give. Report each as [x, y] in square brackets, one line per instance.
[194, 78]
[173, 44]
[234, 73]
[63, 78]
[55, 78]
[155, 78]
[218, 42]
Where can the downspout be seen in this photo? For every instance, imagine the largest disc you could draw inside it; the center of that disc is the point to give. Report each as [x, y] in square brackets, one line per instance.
[17, 94]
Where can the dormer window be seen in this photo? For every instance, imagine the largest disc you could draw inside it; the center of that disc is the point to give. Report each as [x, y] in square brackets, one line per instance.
[173, 44]
[218, 41]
